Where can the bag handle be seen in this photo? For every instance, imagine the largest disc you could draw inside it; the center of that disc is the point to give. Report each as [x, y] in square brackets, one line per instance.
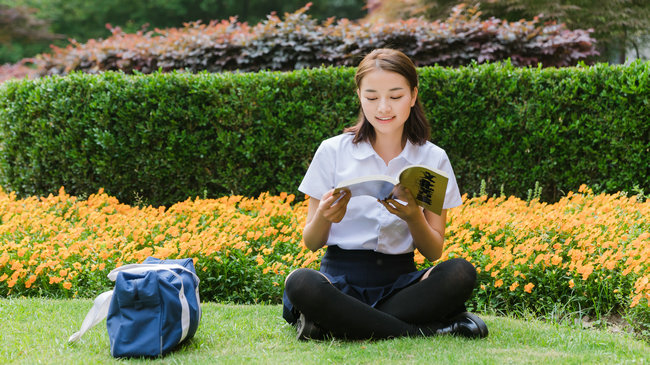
[141, 268]
[101, 304]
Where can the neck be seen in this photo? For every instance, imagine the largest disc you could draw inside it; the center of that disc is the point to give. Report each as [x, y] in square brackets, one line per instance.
[388, 147]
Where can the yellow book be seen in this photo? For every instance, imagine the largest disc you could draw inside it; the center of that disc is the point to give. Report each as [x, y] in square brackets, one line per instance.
[427, 184]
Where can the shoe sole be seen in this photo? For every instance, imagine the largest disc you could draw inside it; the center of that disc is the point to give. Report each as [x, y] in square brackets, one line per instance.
[306, 330]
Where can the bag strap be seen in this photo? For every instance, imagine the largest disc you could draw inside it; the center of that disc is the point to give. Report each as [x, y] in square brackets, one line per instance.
[101, 304]
[96, 314]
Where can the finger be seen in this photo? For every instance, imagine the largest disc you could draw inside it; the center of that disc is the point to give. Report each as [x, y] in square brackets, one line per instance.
[395, 203]
[337, 210]
[334, 199]
[388, 205]
[398, 192]
[411, 197]
[341, 201]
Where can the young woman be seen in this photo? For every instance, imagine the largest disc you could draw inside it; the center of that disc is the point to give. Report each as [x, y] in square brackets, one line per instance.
[368, 286]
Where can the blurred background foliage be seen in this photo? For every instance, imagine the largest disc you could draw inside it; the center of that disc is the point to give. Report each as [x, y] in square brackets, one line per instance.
[622, 27]
[28, 27]
[85, 19]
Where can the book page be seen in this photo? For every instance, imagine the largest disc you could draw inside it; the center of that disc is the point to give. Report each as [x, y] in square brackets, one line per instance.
[379, 187]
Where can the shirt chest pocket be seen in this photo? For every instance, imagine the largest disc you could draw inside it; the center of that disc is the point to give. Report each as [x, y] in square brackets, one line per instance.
[394, 236]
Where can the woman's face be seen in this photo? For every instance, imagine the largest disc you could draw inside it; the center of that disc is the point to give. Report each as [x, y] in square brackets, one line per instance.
[386, 101]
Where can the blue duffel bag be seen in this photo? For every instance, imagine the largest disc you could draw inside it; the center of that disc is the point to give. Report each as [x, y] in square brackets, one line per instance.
[153, 308]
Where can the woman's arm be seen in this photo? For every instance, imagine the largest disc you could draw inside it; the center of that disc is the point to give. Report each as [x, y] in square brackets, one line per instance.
[320, 216]
[427, 228]
[429, 233]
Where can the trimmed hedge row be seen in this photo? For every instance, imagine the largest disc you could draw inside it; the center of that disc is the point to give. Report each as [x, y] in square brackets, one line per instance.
[160, 138]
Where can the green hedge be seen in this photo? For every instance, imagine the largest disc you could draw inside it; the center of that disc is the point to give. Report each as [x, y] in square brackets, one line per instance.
[160, 138]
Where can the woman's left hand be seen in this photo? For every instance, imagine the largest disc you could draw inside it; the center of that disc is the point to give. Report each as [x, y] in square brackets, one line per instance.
[408, 211]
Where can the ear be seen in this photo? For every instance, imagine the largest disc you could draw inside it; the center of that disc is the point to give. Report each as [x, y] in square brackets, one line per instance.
[359, 93]
[414, 96]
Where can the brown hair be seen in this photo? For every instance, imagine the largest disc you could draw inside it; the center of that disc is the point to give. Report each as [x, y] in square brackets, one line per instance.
[416, 128]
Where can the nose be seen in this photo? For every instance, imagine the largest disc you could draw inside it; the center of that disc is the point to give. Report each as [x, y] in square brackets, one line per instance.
[383, 106]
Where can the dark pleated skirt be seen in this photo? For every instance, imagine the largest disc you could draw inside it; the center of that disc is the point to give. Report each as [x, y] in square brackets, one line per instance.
[366, 275]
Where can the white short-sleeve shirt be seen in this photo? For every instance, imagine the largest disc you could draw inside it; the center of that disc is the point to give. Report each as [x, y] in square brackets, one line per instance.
[367, 225]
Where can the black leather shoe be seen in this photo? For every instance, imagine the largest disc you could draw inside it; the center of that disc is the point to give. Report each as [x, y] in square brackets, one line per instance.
[307, 330]
[467, 325]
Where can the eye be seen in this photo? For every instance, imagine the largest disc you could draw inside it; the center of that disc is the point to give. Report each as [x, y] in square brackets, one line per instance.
[371, 99]
[396, 97]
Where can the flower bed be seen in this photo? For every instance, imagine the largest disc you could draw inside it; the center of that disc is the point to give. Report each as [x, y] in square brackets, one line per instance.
[586, 252]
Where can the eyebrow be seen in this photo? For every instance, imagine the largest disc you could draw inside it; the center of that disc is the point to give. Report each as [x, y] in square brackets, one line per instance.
[393, 89]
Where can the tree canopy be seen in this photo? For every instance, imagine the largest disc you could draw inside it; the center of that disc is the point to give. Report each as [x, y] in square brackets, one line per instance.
[20, 24]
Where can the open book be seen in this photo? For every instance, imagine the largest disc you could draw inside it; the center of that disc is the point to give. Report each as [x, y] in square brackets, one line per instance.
[428, 186]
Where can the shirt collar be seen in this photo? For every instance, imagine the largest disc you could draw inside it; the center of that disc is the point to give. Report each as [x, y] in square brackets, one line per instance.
[363, 150]
[410, 153]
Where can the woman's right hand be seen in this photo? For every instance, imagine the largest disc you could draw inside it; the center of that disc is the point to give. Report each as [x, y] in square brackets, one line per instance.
[333, 206]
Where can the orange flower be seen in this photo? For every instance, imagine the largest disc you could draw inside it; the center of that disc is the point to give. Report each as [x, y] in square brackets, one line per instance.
[173, 231]
[556, 260]
[30, 281]
[528, 288]
[17, 265]
[514, 286]
[419, 258]
[3, 259]
[586, 271]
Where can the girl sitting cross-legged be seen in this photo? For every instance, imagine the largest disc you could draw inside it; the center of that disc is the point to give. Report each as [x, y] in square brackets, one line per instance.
[368, 286]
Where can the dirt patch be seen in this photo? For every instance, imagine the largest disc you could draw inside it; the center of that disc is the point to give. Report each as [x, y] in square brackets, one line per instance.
[614, 323]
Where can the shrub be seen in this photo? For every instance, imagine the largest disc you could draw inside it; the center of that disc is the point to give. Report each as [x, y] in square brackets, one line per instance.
[162, 138]
[18, 70]
[166, 137]
[298, 41]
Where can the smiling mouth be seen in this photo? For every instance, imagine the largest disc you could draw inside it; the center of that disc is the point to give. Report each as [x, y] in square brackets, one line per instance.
[384, 119]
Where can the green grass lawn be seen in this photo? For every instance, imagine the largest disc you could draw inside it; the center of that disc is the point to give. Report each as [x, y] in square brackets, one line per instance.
[36, 331]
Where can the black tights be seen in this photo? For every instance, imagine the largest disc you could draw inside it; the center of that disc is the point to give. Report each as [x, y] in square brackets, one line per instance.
[419, 309]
